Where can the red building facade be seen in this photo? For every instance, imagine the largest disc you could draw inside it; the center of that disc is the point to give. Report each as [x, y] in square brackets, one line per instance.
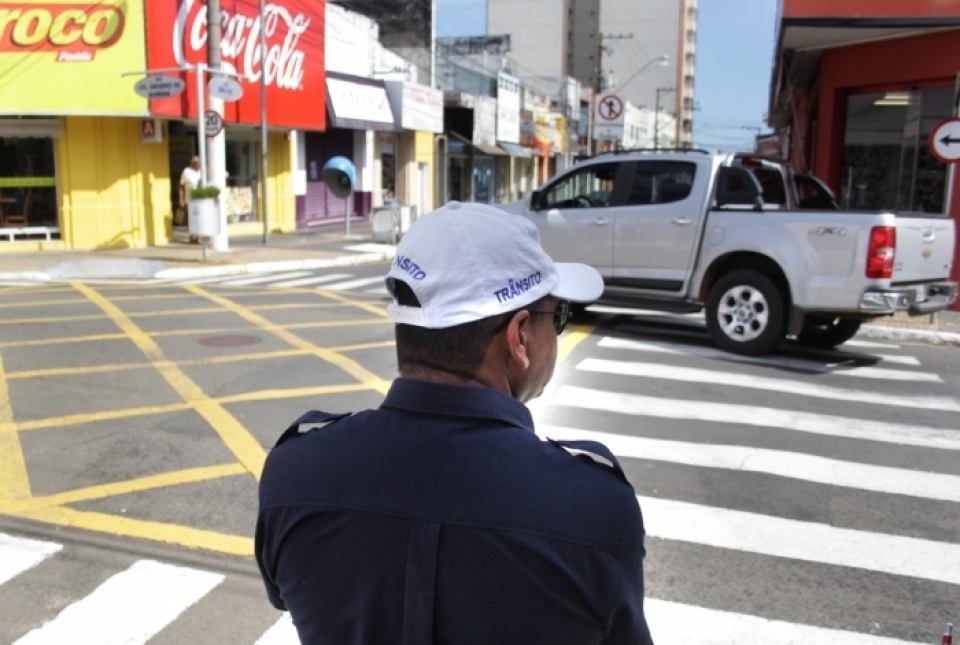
[856, 89]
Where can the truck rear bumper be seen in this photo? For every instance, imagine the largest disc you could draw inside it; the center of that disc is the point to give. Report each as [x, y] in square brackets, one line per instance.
[918, 299]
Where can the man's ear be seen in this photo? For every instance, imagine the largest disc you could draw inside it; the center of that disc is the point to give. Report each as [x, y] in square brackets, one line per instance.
[517, 338]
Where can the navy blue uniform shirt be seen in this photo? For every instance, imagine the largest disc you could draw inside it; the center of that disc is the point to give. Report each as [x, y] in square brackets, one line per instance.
[441, 517]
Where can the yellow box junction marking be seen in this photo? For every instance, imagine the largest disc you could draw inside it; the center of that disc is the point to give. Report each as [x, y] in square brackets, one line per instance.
[14, 482]
[235, 436]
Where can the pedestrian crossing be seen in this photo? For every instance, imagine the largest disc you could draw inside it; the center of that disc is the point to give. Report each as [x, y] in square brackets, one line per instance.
[367, 284]
[749, 456]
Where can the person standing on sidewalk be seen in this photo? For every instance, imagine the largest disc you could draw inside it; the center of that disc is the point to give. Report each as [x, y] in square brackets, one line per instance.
[190, 178]
[441, 517]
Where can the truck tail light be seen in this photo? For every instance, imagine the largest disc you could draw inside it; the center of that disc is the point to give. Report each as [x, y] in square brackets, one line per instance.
[883, 248]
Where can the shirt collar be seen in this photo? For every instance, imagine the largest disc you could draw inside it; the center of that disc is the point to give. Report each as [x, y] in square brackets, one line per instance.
[472, 401]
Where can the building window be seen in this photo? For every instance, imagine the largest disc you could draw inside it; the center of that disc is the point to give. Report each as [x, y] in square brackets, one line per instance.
[886, 161]
[28, 183]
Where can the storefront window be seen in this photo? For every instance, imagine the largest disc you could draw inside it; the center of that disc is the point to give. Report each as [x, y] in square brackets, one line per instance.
[28, 184]
[886, 161]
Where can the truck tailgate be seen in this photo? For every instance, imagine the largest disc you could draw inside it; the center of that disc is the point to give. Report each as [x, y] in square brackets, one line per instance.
[924, 249]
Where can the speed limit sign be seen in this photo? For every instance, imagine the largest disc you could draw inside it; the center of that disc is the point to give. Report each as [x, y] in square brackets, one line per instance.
[212, 123]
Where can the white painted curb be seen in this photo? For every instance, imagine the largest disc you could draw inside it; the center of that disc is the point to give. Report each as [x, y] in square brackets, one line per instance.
[187, 273]
[906, 335]
[29, 276]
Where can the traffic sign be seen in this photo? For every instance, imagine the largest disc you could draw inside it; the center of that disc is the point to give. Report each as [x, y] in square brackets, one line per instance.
[610, 108]
[944, 140]
[225, 88]
[159, 87]
[212, 123]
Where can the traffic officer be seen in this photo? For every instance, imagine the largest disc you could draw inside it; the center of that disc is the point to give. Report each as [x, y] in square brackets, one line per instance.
[441, 517]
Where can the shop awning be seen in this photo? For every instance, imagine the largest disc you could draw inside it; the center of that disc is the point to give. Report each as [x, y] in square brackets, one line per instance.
[515, 150]
[355, 103]
[480, 147]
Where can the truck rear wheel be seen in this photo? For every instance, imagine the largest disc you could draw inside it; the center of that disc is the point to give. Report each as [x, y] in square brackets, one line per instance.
[746, 313]
[823, 332]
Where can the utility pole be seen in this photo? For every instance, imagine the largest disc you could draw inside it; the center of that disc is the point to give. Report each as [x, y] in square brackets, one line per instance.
[598, 87]
[216, 146]
[656, 116]
[263, 123]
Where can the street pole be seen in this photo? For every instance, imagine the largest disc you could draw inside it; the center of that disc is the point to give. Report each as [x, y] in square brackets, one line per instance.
[263, 123]
[217, 145]
[201, 137]
[598, 87]
[656, 116]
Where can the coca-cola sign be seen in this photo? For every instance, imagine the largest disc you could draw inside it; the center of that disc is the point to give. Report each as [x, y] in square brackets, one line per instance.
[293, 70]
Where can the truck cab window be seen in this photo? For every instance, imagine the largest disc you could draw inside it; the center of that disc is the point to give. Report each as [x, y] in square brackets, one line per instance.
[590, 187]
[659, 182]
[771, 181]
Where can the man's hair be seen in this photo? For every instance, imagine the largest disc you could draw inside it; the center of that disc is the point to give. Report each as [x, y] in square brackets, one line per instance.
[460, 349]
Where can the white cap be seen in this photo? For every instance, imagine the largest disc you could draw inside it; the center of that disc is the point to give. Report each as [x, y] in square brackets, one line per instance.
[466, 262]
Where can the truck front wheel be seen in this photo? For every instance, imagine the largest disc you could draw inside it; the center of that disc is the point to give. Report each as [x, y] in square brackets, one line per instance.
[746, 313]
[823, 332]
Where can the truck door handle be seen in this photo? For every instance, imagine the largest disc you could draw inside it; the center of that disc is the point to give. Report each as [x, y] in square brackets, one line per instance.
[681, 221]
[599, 221]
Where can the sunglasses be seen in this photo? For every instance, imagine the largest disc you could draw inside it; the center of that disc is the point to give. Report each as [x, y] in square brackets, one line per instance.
[560, 317]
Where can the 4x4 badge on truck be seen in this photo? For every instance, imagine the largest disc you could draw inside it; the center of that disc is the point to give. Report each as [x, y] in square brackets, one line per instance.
[839, 231]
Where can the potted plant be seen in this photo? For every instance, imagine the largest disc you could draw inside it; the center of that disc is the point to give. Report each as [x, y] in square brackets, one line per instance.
[205, 211]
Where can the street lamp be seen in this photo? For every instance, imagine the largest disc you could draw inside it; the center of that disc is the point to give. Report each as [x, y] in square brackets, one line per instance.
[656, 115]
[660, 61]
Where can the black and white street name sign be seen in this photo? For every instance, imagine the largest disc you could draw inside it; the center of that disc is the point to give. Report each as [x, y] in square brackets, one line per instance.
[945, 140]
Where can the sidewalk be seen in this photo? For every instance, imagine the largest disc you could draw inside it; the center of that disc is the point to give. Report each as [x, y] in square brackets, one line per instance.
[323, 249]
[282, 252]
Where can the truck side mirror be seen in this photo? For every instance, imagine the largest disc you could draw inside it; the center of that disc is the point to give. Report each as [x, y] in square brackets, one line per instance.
[738, 186]
[535, 199]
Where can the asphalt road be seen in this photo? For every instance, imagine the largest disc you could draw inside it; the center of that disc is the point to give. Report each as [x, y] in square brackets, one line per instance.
[805, 495]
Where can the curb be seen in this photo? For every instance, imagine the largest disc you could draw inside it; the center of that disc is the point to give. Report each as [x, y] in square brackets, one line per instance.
[877, 332]
[28, 276]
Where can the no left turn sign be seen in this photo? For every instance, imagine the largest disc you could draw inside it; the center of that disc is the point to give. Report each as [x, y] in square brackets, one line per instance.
[944, 140]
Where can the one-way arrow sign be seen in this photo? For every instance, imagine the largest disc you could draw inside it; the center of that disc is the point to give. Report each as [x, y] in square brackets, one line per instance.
[944, 141]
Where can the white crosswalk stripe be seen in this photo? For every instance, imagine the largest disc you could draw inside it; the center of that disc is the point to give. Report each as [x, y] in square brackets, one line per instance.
[791, 363]
[793, 465]
[665, 408]
[687, 374]
[673, 623]
[129, 608]
[317, 279]
[271, 277]
[20, 554]
[353, 284]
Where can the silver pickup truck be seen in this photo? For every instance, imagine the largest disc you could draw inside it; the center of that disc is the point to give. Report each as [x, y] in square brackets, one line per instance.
[765, 251]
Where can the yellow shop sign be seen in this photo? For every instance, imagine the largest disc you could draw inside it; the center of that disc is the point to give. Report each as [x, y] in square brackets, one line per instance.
[66, 57]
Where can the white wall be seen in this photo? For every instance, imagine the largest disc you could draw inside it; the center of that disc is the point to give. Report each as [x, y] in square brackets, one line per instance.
[538, 33]
[352, 47]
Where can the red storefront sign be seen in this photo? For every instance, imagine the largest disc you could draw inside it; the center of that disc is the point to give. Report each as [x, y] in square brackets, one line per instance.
[295, 76]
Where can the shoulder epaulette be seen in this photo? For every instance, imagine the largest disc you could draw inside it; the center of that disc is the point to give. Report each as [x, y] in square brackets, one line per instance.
[315, 417]
[592, 450]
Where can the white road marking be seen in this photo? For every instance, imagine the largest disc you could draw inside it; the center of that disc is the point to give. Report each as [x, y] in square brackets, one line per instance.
[692, 375]
[791, 363]
[270, 277]
[673, 623]
[378, 290]
[662, 408]
[20, 554]
[870, 344]
[218, 278]
[20, 284]
[793, 465]
[371, 247]
[314, 280]
[353, 284]
[127, 609]
[807, 541]
[282, 632]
